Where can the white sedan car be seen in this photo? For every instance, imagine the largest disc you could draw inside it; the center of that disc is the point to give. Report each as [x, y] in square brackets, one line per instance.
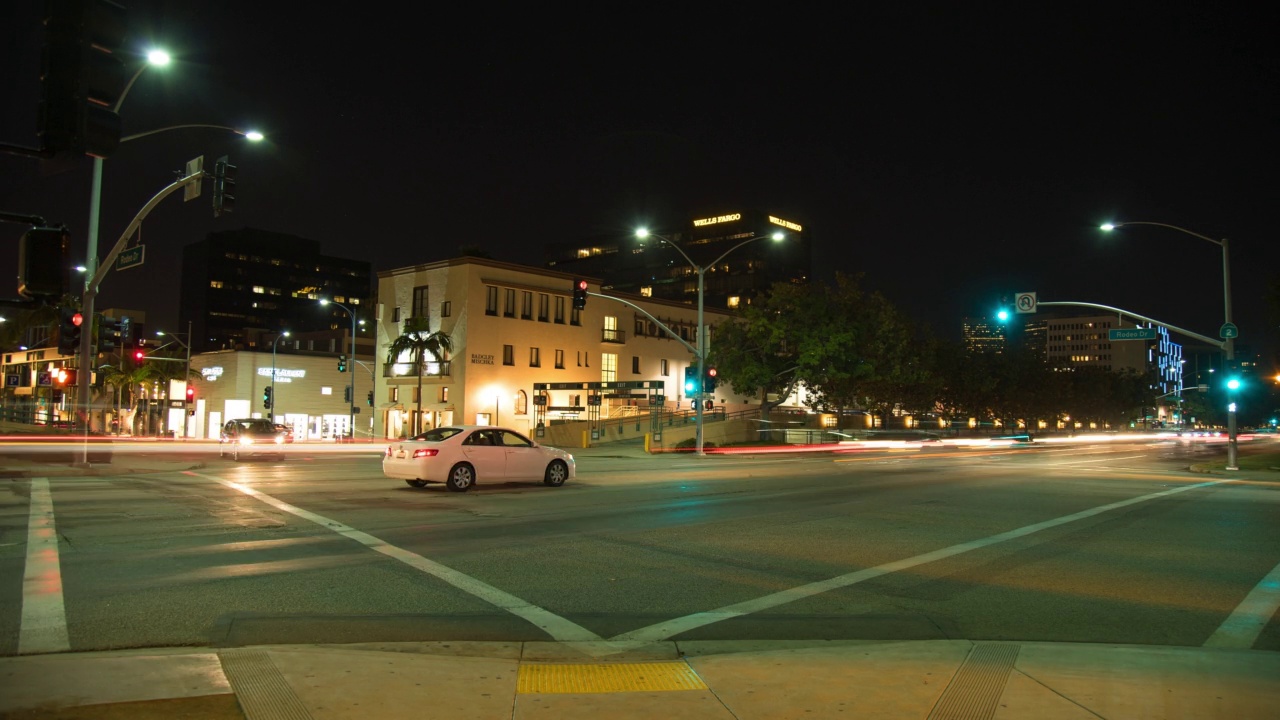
[460, 455]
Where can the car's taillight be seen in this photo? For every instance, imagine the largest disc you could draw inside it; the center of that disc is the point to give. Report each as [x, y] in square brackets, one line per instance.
[425, 452]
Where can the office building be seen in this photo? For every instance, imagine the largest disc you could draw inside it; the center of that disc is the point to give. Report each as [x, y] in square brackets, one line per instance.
[242, 287]
[651, 267]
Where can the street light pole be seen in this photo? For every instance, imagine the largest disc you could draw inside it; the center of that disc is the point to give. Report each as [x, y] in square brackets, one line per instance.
[702, 335]
[1229, 344]
[274, 343]
[351, 404]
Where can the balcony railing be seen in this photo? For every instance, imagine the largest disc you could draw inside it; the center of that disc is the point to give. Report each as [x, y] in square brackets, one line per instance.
[611, 335]
[429, 369]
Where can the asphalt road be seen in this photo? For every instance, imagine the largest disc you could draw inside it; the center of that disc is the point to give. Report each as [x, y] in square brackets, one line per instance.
[1112, 543]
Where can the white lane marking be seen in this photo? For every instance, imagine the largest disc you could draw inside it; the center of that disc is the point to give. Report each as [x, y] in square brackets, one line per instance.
[1242, 628]
[44, 616]
[555, 626]
[671, 628]
[1082, 462]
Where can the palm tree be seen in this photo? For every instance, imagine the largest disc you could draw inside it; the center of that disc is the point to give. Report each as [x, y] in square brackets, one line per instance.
[417, 342]
[125, 378]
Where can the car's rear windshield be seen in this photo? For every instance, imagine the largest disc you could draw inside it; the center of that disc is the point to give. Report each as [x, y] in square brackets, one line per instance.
[438, 434]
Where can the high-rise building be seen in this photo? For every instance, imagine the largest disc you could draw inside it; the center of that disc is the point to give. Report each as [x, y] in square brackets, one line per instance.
[982, 335]
[651, 267]
[1087, 342]
[239, 285]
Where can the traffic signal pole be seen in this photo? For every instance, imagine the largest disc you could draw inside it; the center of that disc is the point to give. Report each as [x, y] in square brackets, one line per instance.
[85, 378]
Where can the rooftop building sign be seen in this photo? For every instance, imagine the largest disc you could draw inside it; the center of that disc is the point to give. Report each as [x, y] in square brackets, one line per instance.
[786, 224]
[731, 217]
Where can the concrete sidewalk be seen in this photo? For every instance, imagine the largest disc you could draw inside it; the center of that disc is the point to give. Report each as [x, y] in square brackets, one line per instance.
[743, 680]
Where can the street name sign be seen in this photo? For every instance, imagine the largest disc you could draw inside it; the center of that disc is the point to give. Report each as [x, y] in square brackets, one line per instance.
[130, 257]
[1132, 334]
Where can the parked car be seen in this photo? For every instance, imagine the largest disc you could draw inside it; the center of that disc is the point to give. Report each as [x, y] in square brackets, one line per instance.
[459, 456]
[251, 437]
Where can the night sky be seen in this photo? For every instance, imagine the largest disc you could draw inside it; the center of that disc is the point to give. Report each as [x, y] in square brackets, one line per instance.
[952, 156]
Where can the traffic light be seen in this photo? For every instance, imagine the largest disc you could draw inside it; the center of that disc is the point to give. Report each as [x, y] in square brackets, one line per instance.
[191, 394]
[110, 332]
[579, 294]
[139, 356]
[82, 78]
[266, 397]
[70, 324]
[346, 394]
[370, 398]
[64, 377]
[690, 380]
[342, 363]
[709, 381]
[224, 186]
[43, 262]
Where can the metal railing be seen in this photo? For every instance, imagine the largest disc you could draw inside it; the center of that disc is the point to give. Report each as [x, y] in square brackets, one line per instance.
[613, 335]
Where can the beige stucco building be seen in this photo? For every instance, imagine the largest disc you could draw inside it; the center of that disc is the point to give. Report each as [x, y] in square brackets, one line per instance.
[512, 327]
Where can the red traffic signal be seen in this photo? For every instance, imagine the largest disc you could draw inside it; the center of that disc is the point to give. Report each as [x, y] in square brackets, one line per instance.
[77, 319]
[139, 355]
[579, 294]
[191, 394]
[64, 376]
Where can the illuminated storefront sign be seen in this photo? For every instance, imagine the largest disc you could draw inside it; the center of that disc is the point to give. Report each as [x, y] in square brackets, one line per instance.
[786, 224]
[212, 373]
[283, 375]
[717, 219]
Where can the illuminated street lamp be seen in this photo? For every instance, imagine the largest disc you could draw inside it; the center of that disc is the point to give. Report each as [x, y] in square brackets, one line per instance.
[274, 343]
[155, 58]
[351, 400]
[701, 354]
[1228, 331]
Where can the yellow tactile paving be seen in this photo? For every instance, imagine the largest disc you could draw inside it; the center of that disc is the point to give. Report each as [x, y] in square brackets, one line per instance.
[607, 678]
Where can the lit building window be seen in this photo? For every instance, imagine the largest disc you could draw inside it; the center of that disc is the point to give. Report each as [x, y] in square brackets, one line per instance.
[215, 283]
[647, 291]
[733, 301]
[259, 289]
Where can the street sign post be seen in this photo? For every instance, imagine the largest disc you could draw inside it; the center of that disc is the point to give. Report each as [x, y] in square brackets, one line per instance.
[130, 257]
[195, 166]
[1025, 302]
[1132, 334]
[1228, 331]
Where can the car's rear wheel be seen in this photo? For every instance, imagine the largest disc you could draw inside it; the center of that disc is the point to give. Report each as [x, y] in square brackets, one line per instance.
[416, 483]
[557, 473]
[461, 477]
